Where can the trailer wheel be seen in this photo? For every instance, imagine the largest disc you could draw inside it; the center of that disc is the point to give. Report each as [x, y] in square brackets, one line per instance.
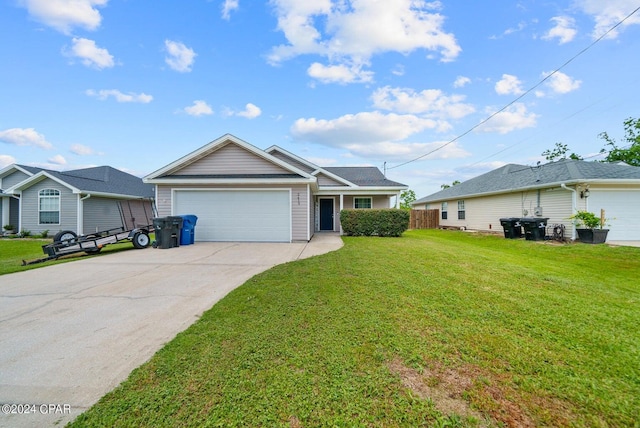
[65, 235]
[141, 240]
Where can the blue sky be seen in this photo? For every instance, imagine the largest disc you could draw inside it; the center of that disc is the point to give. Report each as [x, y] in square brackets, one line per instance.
[138, 84]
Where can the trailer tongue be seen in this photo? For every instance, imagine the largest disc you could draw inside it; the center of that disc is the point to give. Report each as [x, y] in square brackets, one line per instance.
[67, 242]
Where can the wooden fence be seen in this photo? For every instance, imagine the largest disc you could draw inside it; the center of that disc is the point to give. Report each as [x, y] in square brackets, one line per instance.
[424, 219]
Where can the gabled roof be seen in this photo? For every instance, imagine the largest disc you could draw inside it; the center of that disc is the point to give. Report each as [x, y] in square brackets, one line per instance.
[162, 173]
[10, 169]
[514, 177]
[101, 180]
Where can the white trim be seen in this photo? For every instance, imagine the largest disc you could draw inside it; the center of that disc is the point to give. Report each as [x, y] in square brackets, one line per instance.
[292, 156]
[230, 181]
[333, 215]
[59, 196]
[212, 147]
[8, 168]
[333, 176]
[42, 175]
[363, 197]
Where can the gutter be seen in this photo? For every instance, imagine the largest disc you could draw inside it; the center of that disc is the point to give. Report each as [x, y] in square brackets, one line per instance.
[573, 208]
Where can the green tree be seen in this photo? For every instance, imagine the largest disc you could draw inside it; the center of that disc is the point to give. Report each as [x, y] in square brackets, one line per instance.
[559, 152]
[406, 197]
[629, 153]
[446, 186]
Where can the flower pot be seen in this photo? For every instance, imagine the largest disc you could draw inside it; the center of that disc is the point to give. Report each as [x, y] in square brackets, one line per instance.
[592, 236]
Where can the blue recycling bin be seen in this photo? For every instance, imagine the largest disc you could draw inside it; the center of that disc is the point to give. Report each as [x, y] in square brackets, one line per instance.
[188, 231]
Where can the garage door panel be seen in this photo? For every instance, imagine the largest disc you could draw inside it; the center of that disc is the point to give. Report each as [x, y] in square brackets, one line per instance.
[621, 208]
[239, 215]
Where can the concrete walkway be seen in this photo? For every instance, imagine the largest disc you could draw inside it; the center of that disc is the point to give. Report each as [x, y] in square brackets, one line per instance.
[70, 333]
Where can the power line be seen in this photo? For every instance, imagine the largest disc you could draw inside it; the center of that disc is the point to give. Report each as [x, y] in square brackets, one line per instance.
[528, 91]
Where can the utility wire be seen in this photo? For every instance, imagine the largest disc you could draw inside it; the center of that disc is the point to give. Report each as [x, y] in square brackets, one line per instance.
[528, 91]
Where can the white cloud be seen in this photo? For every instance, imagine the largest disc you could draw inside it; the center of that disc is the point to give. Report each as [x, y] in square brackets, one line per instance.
[57, 160]
[398, 70]
[401, 151]
[514, 117]
[354, 31]
[64, 15]
[229, 6]
[560, 83]
[564, 29]
[91, 55]
[24, 137]
[81, 150]
[339, 73]
[360, 128]
[251, 111]
[6, 160]
[509, 85]
[608, 13]
[180, 57]
[120, 97]
[461, 81]
[430, 102]
[199, 108]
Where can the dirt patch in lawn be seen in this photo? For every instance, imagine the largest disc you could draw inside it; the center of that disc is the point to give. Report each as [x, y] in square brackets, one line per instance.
[446, 388]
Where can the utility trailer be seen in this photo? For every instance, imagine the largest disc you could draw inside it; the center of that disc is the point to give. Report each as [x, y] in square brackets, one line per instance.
[67, 242]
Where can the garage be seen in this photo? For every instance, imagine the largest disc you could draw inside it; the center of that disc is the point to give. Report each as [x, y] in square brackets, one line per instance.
[237, 214]
[621, 208]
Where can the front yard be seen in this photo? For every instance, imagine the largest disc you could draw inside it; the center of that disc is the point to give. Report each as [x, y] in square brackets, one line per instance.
[432, 329]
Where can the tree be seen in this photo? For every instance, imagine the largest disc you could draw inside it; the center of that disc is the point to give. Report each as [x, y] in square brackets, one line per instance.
[560, 152]
[406, 197]
[446, 186]
[629, 153]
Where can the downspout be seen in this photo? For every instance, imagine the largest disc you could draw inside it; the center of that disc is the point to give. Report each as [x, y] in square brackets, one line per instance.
[573, 208]
[81, 213]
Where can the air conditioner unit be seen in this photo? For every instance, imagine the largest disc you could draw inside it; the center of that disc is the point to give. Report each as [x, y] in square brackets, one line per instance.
[537, 211]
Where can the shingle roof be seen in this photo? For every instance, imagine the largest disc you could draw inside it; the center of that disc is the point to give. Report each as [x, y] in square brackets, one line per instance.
[363, 176]
[513, 177]
[103, 179]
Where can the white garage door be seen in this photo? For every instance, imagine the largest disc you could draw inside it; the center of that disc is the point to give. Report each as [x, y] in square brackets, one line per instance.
[238, 215]
[622, 208]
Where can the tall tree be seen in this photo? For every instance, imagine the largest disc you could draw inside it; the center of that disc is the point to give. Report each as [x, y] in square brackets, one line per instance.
[630, 152]
[406, 197]
[446, 186]
[559, 152]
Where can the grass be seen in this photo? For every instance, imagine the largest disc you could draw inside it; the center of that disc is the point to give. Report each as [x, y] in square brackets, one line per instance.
[436, 328]
[14, 250]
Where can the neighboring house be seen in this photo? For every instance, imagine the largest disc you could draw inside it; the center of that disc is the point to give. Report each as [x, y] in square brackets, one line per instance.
[554, 190]
[83, 200]
[242, 193]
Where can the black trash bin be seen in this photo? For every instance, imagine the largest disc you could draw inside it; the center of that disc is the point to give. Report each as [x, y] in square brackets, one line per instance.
[167, 230]
[512, 227]
[188, 231]
[534, 228]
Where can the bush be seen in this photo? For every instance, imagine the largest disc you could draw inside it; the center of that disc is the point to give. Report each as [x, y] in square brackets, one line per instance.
[389, 222]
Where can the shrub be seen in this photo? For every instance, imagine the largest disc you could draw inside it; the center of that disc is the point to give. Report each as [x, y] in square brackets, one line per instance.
[25, 233]
[389, 222]
[44, 233]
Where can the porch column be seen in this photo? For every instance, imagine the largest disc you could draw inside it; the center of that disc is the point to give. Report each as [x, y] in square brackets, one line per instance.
[79, 216]
[397, 200]
[341, 208]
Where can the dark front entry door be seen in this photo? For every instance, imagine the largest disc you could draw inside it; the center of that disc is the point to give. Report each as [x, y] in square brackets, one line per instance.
[326, 214]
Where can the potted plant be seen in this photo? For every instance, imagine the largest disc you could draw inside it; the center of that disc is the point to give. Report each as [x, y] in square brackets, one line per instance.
[593, 231]
[9, 228]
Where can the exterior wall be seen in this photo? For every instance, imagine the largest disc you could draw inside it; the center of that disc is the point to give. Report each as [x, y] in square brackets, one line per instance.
[13, 179]
[378, 202]
[231, 159]
[299, 203]
[100, 214]
[484, 213]
[323, 180]
[29, 207]
[292, 162]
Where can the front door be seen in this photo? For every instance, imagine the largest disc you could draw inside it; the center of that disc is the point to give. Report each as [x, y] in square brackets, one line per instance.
[326, 214]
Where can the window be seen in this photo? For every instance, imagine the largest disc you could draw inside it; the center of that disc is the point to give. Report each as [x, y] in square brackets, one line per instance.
[49, 206]
[361, 203]
[460, 210]
[444, 211]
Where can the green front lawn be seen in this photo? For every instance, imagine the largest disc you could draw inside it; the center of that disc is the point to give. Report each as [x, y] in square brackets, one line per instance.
[435, 328]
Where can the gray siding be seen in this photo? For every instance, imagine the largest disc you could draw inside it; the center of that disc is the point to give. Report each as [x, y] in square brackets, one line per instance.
[299, 202]
[13, 179]
[230, 159]
[100, 214]
[323, 180]
[68, 208]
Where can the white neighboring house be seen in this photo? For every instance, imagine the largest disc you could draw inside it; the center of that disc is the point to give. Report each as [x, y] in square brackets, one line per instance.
[554, 190]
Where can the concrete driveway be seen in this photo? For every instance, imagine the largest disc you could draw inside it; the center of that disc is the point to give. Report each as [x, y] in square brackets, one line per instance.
[72, 332]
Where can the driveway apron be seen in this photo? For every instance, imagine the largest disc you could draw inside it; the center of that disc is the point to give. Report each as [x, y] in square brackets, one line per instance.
[70, 333]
